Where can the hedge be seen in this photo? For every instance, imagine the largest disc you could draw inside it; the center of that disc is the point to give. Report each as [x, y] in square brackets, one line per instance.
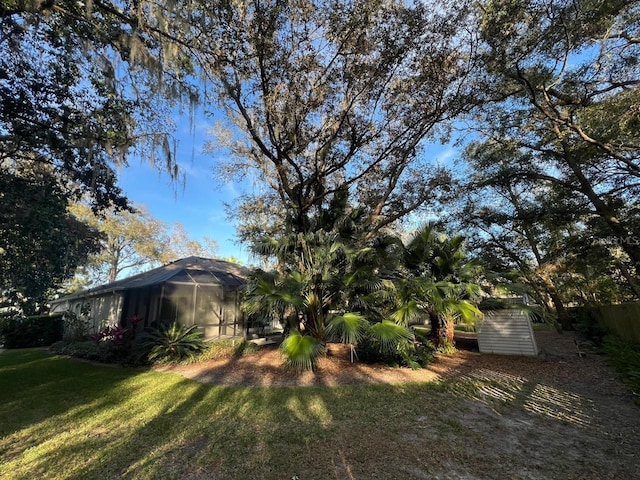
[35, 331]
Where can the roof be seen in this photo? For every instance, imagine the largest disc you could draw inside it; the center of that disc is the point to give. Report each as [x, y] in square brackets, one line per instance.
[196, 270]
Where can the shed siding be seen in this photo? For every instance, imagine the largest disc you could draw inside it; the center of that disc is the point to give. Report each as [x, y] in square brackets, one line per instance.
[507, 332]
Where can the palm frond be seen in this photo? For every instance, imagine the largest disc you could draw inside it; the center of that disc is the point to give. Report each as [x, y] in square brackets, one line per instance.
[390, 335]
[349, 327]
[266, 247]
[301, 351]
[174, 343]
[406, 312]
[468, 312]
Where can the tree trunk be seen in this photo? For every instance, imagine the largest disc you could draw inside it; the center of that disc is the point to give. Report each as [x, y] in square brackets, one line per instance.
[561, 311]
[604, 210]
[450, 332]
[633, 282]
[436, 328]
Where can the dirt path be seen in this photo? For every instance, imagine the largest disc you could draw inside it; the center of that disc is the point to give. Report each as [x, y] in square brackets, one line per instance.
[571, 414]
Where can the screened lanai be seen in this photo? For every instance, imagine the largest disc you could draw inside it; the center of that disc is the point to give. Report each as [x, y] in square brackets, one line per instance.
[192, 291]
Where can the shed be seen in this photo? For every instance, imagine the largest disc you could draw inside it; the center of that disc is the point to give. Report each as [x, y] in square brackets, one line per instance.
[507, 332]
[191, 291]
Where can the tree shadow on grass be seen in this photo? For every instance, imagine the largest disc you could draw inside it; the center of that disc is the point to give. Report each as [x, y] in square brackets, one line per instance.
[138, 424]
[87, 421]
[42, 386]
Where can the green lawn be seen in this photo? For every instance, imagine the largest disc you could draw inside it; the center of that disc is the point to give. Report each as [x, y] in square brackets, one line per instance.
[62, 418]
[65, 419]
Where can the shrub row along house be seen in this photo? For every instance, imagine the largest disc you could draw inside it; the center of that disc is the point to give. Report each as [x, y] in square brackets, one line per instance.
[191, 291]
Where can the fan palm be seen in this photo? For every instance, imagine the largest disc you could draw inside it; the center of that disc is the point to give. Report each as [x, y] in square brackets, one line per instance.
[390, 335]
[350, 328]
[301, 351]
[328, 283]
[440, 281]
[332, 281]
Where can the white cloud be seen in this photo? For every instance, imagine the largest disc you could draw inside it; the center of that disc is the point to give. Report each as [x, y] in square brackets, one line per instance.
[445, 156]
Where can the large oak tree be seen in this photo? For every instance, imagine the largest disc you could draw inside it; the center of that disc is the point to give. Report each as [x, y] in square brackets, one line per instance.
[326, 96]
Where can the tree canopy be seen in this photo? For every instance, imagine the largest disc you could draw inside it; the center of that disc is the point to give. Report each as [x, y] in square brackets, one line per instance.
[553, 171]
[41, 244]
[327, 106]
[82, 85]
[131, 241]
[326, 96]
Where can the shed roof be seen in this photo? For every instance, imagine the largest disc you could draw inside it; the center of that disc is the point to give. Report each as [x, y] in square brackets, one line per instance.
[197, 270]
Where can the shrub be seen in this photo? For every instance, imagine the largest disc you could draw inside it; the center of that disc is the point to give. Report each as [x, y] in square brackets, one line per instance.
[105, 352]
[172, 344]
[423, 349]
[587, 322]
[112, 344]
[35, 331]
[86, 349]
[446, 346]
[416, 354]
[116, 344]
[75, 327]
[624, 357]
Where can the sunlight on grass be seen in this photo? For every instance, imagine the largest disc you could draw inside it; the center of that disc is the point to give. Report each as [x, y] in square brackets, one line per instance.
[104, 422]
[314, 411]
[65, 419]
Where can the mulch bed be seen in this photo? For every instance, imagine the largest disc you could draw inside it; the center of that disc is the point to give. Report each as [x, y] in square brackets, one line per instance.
[557, 362]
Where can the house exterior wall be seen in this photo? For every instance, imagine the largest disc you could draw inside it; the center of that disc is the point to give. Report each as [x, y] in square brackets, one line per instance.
[104, 310]
[215, 309]
[107, 310]
[507, 332]
[142, 303]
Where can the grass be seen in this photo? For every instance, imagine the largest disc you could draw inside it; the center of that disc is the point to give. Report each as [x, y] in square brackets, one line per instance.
[61, 418]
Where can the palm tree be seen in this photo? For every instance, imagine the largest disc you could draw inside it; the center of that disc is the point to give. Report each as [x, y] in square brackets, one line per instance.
[329, 284]
[439, 282]
[328, 290]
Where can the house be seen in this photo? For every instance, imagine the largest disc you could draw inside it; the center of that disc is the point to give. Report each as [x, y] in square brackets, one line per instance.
[192, 291]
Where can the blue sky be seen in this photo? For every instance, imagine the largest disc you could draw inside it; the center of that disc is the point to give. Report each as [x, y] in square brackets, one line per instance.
[198, 204]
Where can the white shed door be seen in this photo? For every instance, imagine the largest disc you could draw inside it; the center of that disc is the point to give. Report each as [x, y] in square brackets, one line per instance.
[507, 332]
